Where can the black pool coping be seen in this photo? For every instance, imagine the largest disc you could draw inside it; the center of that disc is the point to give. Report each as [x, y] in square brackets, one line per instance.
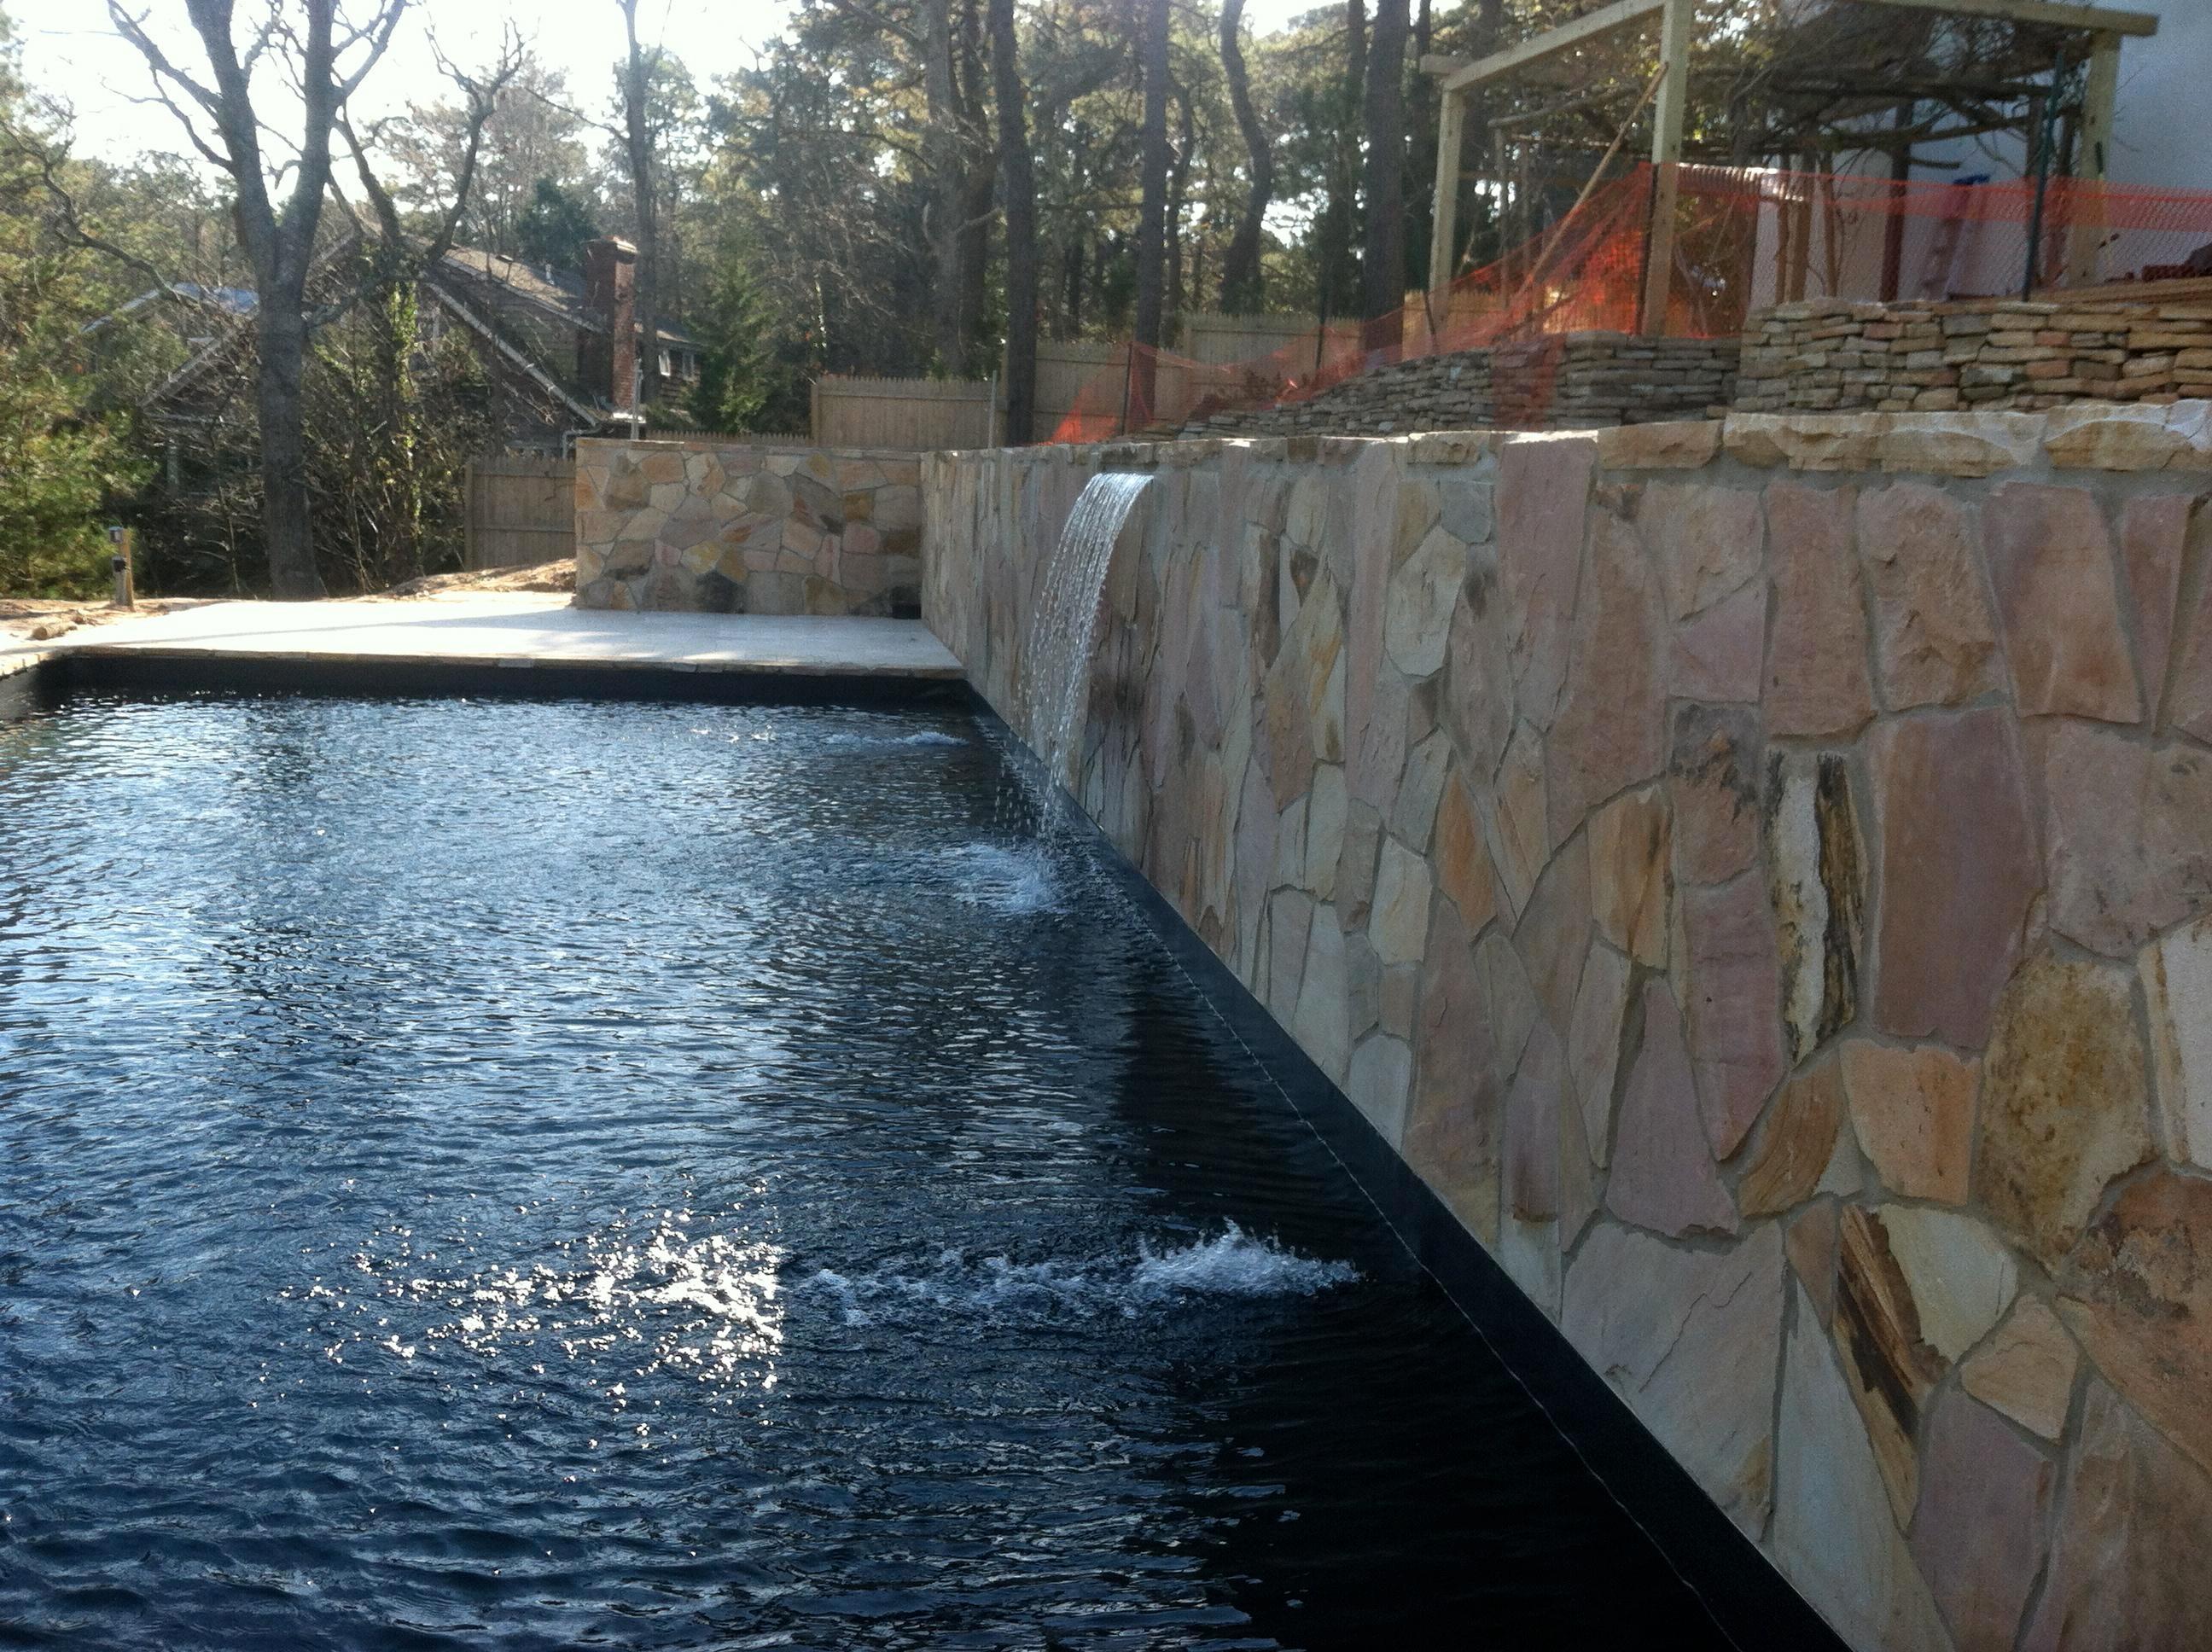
[140, 669]
[26, 691]
[1753, 1606]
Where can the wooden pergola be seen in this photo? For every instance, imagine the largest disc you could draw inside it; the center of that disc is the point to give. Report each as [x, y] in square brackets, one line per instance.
[1458, 78]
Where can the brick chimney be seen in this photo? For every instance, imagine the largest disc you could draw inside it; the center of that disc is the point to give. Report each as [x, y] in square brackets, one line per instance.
[606, 363]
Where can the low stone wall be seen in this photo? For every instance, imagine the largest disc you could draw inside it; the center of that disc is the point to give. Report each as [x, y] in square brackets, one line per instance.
[1832, 355]
[1756, 874]
[1575, 381]
[732, 528]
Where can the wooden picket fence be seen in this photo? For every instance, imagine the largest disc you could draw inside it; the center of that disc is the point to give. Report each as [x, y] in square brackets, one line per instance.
[916, 414]
[521, 509]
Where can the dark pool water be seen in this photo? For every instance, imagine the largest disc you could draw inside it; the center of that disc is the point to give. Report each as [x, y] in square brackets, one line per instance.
[510, 1174]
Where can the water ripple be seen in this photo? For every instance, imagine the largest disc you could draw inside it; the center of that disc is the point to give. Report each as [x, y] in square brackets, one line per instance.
[535, 1175]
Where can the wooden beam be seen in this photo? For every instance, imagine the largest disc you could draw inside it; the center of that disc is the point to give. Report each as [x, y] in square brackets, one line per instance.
[1444, 216]
[2094, 18]
[1667, 119]
[1588, 27]
[2085, 235]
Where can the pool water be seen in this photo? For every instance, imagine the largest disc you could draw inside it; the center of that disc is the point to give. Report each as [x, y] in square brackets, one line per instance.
[483, 1174]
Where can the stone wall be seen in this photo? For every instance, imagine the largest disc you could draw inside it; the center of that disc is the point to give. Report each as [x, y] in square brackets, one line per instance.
[1758, 875]
[730, 528]
[1833, 356]
[1574, 382]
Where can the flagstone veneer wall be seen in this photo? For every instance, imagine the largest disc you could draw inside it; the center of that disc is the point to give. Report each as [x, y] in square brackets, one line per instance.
[1757, 875]
[731, 528]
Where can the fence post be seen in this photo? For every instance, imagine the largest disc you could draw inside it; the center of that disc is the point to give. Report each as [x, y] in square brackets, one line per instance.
[126, 543]
[472, 514]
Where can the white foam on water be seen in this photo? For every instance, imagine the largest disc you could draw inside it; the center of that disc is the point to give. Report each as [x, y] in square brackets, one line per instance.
[1018, 881]
[1235, 1265]
[1231, 1263]
[925, 737]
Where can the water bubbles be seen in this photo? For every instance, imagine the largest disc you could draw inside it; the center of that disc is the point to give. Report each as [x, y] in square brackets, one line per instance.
[924, 739]
[1017, 883]
[1231, 1263]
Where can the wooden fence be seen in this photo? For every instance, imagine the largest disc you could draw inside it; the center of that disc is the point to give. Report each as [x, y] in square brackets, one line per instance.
[521, 509]
[1222, 339]
[915, 414]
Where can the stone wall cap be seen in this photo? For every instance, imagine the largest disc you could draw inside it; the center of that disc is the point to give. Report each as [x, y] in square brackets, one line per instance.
[2123, 436]
[718, 444]
[1965, 444]
[1670, 445]
[2129, 436]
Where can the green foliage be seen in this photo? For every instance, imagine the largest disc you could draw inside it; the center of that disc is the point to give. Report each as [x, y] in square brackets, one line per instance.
[744, 383]
[61, 463]
[59, 472]
[392, 421]
[393, 416]
[553, 228]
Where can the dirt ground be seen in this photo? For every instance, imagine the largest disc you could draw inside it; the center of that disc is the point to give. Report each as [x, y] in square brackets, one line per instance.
[38, 619]
[541, 576]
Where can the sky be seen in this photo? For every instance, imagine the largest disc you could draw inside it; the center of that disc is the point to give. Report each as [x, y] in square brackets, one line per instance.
[70, 49]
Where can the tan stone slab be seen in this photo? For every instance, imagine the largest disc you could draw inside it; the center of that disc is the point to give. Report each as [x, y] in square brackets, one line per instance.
[522, 629]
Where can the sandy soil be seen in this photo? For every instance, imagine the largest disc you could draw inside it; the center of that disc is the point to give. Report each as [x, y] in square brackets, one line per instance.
[37, 619]
[541, 576]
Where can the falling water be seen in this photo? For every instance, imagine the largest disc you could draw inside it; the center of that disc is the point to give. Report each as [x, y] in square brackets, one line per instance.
[1064, 626]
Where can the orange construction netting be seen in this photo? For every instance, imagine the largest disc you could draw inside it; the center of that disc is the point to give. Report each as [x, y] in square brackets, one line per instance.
[1744, 238]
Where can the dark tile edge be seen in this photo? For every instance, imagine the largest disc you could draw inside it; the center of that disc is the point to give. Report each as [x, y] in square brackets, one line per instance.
[27, 693]
[139, 673]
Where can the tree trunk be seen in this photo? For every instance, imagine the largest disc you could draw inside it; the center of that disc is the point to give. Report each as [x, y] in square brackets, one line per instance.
[940, 145]
[280, 398]
[1242, 289]
[1422, 120]
[637, 136]
[978, 172]
[1076, 264]
[1382, 258]
[1178, 181]
[1151, 214]
[1017, 179]
[1337, 231]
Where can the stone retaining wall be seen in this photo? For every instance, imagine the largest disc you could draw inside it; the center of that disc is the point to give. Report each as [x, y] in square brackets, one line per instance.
[1575, 381]
[734, 528]
[1758, 875]
[1833, 356]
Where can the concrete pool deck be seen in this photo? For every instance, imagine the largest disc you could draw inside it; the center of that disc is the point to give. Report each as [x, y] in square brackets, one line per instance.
[520, 630]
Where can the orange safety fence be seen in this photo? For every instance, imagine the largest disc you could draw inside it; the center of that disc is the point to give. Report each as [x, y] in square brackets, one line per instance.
[1744, 238]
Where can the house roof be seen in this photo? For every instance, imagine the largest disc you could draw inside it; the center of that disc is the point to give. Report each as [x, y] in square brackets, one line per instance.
[237, 301]
[467, 284]
[544, 287]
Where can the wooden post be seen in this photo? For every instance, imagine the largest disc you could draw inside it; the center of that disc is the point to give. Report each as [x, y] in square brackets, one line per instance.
[1667, 119]
[2092, 160]
[1444, 219]
[125, 542]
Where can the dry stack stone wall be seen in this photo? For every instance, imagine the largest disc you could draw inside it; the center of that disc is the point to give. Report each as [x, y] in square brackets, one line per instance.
[728, 528]
[1833, 356]
[1576, 381]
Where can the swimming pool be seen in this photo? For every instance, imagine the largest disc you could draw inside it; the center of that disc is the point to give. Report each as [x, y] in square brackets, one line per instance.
[551, 1174]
